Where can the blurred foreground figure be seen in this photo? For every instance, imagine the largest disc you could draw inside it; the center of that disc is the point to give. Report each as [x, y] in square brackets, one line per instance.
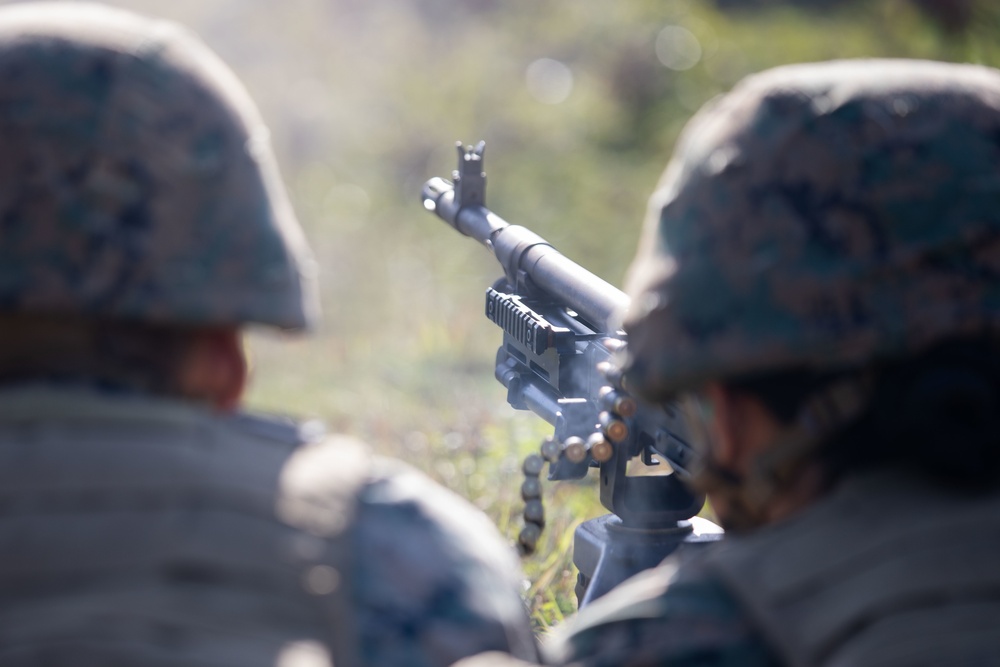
[820, 285]
[145, 521]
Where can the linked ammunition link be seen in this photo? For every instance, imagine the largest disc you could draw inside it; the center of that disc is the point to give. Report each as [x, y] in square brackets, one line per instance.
[531, 493]
[598, 448]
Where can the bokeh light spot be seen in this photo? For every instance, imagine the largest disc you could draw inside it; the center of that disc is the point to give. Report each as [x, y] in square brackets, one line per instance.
[321, 580]
[303, 654]
[678, 48]
[549, 81]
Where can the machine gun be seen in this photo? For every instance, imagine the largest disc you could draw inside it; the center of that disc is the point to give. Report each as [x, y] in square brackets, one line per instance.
[561, 333]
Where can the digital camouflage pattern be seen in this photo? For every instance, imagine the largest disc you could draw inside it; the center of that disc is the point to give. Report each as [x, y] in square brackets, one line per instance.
[136, 179]
[822, 215]
[914, 583]
[670, 616]
[434, 581]
[889, 569]
[140, 531]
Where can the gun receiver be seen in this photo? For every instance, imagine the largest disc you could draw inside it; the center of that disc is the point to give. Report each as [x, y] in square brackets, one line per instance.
[561, 333]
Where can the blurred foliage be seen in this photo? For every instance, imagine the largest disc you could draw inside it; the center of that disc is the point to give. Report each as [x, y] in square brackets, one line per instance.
[366, 98]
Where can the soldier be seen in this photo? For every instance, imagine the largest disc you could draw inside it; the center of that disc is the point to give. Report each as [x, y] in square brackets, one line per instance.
[144, 519]
[819, 284]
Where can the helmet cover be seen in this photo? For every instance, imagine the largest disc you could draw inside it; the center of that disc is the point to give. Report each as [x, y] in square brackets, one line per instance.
[136, 178]
[821, 216]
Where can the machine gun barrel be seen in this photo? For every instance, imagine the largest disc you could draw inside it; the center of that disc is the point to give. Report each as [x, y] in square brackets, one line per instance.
[528, 260]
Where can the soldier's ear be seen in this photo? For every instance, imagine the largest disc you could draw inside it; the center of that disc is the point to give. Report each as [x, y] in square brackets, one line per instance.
[214, 368]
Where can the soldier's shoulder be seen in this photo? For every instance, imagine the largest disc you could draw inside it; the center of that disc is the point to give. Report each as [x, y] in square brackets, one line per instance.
[441, 534]
[676, 614]
[393, 503]
[436, 579]
[430, 579]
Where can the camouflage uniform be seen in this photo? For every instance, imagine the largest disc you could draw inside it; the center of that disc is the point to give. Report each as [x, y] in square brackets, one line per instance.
[671, 615]
[888, 570]
[827, 217]
[137, 185]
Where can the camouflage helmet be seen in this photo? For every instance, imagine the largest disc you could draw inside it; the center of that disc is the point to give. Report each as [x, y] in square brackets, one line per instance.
[136, 179]
[821, 216]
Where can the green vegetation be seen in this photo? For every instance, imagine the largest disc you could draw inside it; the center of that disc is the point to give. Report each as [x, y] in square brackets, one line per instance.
[366, 99]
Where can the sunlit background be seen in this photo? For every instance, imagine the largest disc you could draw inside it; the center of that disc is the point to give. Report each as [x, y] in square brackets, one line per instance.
[579, 102]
